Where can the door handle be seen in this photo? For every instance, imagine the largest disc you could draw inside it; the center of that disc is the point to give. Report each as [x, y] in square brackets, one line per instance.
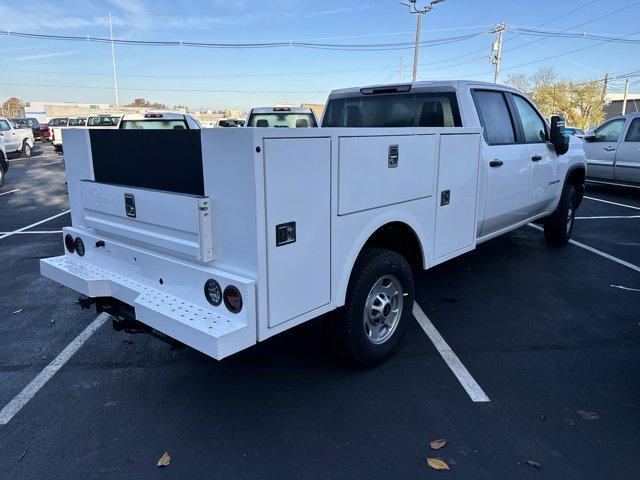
[609, 148]
[496, 163]
[536, 158]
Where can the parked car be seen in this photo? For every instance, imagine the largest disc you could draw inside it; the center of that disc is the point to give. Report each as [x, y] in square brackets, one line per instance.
[31, 123]
[613, 151]
[259, 230]
[16, 139]
[281, 117]
[46, 132]
[4, 165]
[158, 121]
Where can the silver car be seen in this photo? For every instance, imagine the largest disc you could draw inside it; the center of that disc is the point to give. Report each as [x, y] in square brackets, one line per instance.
[613, 150]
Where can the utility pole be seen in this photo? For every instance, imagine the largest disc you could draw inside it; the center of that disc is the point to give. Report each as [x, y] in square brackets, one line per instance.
[113, 61]
[401, 70]
[419, 12]
[496, 49]
[624, 98]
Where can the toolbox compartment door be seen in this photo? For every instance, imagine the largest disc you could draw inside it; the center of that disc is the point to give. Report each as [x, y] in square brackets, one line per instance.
[172, 223]
[456, 200]
[297, 199]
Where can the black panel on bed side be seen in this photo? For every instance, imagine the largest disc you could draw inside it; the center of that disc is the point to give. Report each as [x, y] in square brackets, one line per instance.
[169, 160]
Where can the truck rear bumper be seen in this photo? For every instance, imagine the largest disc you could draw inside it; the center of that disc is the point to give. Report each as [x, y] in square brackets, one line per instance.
[176, 307]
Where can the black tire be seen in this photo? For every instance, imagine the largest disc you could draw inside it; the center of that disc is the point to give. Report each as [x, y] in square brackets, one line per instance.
[374, 265]
[26, 150]
[57, 148]
[1, 175]
[559, 226]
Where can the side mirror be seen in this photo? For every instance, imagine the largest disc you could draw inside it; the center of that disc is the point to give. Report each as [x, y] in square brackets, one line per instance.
[558, 138]
[589, 137]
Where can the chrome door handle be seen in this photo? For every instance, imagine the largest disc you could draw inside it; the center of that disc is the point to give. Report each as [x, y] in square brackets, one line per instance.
[609, 149]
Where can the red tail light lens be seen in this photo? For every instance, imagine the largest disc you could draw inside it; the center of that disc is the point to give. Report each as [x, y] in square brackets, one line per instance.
[232, 299]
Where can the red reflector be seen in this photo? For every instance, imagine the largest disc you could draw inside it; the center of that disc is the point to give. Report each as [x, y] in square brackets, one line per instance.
[232, 299]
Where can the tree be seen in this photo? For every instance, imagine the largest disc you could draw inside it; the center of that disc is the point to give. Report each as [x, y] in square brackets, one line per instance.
[143, 103]
[13, 104]
[582, 104]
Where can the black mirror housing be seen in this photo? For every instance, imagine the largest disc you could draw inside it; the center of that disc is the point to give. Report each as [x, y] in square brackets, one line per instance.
[558, 138]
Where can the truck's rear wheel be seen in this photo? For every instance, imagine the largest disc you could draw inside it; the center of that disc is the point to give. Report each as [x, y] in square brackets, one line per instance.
[559, 226]
[26, 149]
[378, 307]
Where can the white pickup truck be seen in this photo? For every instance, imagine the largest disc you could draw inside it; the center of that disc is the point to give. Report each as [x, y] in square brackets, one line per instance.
[15, 139]
[262, 229]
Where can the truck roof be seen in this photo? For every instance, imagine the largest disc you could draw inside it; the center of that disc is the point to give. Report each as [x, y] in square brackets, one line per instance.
[144, 116]
[414, 87]
[278, 109]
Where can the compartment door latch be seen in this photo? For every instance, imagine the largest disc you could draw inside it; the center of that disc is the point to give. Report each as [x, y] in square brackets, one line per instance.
[285, 233]
[394, 156]
[445, 197]
[130, 205]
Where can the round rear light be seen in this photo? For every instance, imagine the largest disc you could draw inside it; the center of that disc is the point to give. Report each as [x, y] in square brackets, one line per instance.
[232, 299]
[213, 292]
[79, 246]
[69, 243]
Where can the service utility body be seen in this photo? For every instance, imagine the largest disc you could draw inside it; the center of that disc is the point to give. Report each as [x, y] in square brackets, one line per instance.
[220, 238]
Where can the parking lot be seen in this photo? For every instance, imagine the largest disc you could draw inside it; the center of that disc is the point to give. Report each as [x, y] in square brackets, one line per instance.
[549, 336]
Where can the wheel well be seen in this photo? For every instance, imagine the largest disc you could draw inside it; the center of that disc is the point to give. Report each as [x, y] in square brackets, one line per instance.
[576, 177]
[400, 238]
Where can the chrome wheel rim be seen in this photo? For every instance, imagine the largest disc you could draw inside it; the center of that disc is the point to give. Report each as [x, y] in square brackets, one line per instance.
[383, 309]
[569, 219]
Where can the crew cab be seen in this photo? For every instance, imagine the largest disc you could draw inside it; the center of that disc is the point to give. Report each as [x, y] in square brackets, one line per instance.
[158, 121]
[281, 117]
[15, 139]
[262, 229]
[31, 123]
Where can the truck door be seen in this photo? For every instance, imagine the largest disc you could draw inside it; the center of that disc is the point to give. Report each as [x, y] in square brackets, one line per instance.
[8, 136]
[601, 149]
[545, 174]
[627, 164]
[507, 163]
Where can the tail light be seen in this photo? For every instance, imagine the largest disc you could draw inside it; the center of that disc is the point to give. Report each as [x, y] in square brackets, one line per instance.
[69, 243]
[79, 246]
[232, 299]
[213, 292]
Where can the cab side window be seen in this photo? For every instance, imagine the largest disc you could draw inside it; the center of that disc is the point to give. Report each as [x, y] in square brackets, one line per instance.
[4, 126]
[494, 117]
[633, 135]
[533, 126]
[609, 132]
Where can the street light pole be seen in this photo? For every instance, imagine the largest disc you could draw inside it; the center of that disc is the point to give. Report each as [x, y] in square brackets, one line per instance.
[419, 12]
[113, 61]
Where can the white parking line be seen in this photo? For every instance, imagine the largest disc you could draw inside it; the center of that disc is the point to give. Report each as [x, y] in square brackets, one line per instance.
[50, 163]
[10, 191]
[33, 224]
[594, 250]
[612, 203]
[20, 400]
[625, 288]
[609, 217]
[459, 370]
[33, 232]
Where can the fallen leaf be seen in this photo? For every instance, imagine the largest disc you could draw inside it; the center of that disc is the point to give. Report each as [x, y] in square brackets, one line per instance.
[164, 461]
[437, 464]
[533, 464]
[438, 444]
[18, 311]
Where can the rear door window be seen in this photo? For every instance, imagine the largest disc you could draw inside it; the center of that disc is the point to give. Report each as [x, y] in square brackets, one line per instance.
[610, 132]
[494, 117]
[633, 135]
[154, 124]
[427, 109]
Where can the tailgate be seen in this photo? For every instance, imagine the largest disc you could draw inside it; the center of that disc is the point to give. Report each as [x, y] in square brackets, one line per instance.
[175, 223]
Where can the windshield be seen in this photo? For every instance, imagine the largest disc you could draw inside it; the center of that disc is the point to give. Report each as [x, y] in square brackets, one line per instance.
[77, 122]
[282, 120]
[102, 121]
[58, 122]
[230, 123]
[155, 124]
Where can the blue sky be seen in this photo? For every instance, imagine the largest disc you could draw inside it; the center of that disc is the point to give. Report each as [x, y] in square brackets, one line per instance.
[245, 78]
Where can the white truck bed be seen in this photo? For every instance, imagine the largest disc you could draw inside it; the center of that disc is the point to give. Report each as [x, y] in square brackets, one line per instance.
[330, 189]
